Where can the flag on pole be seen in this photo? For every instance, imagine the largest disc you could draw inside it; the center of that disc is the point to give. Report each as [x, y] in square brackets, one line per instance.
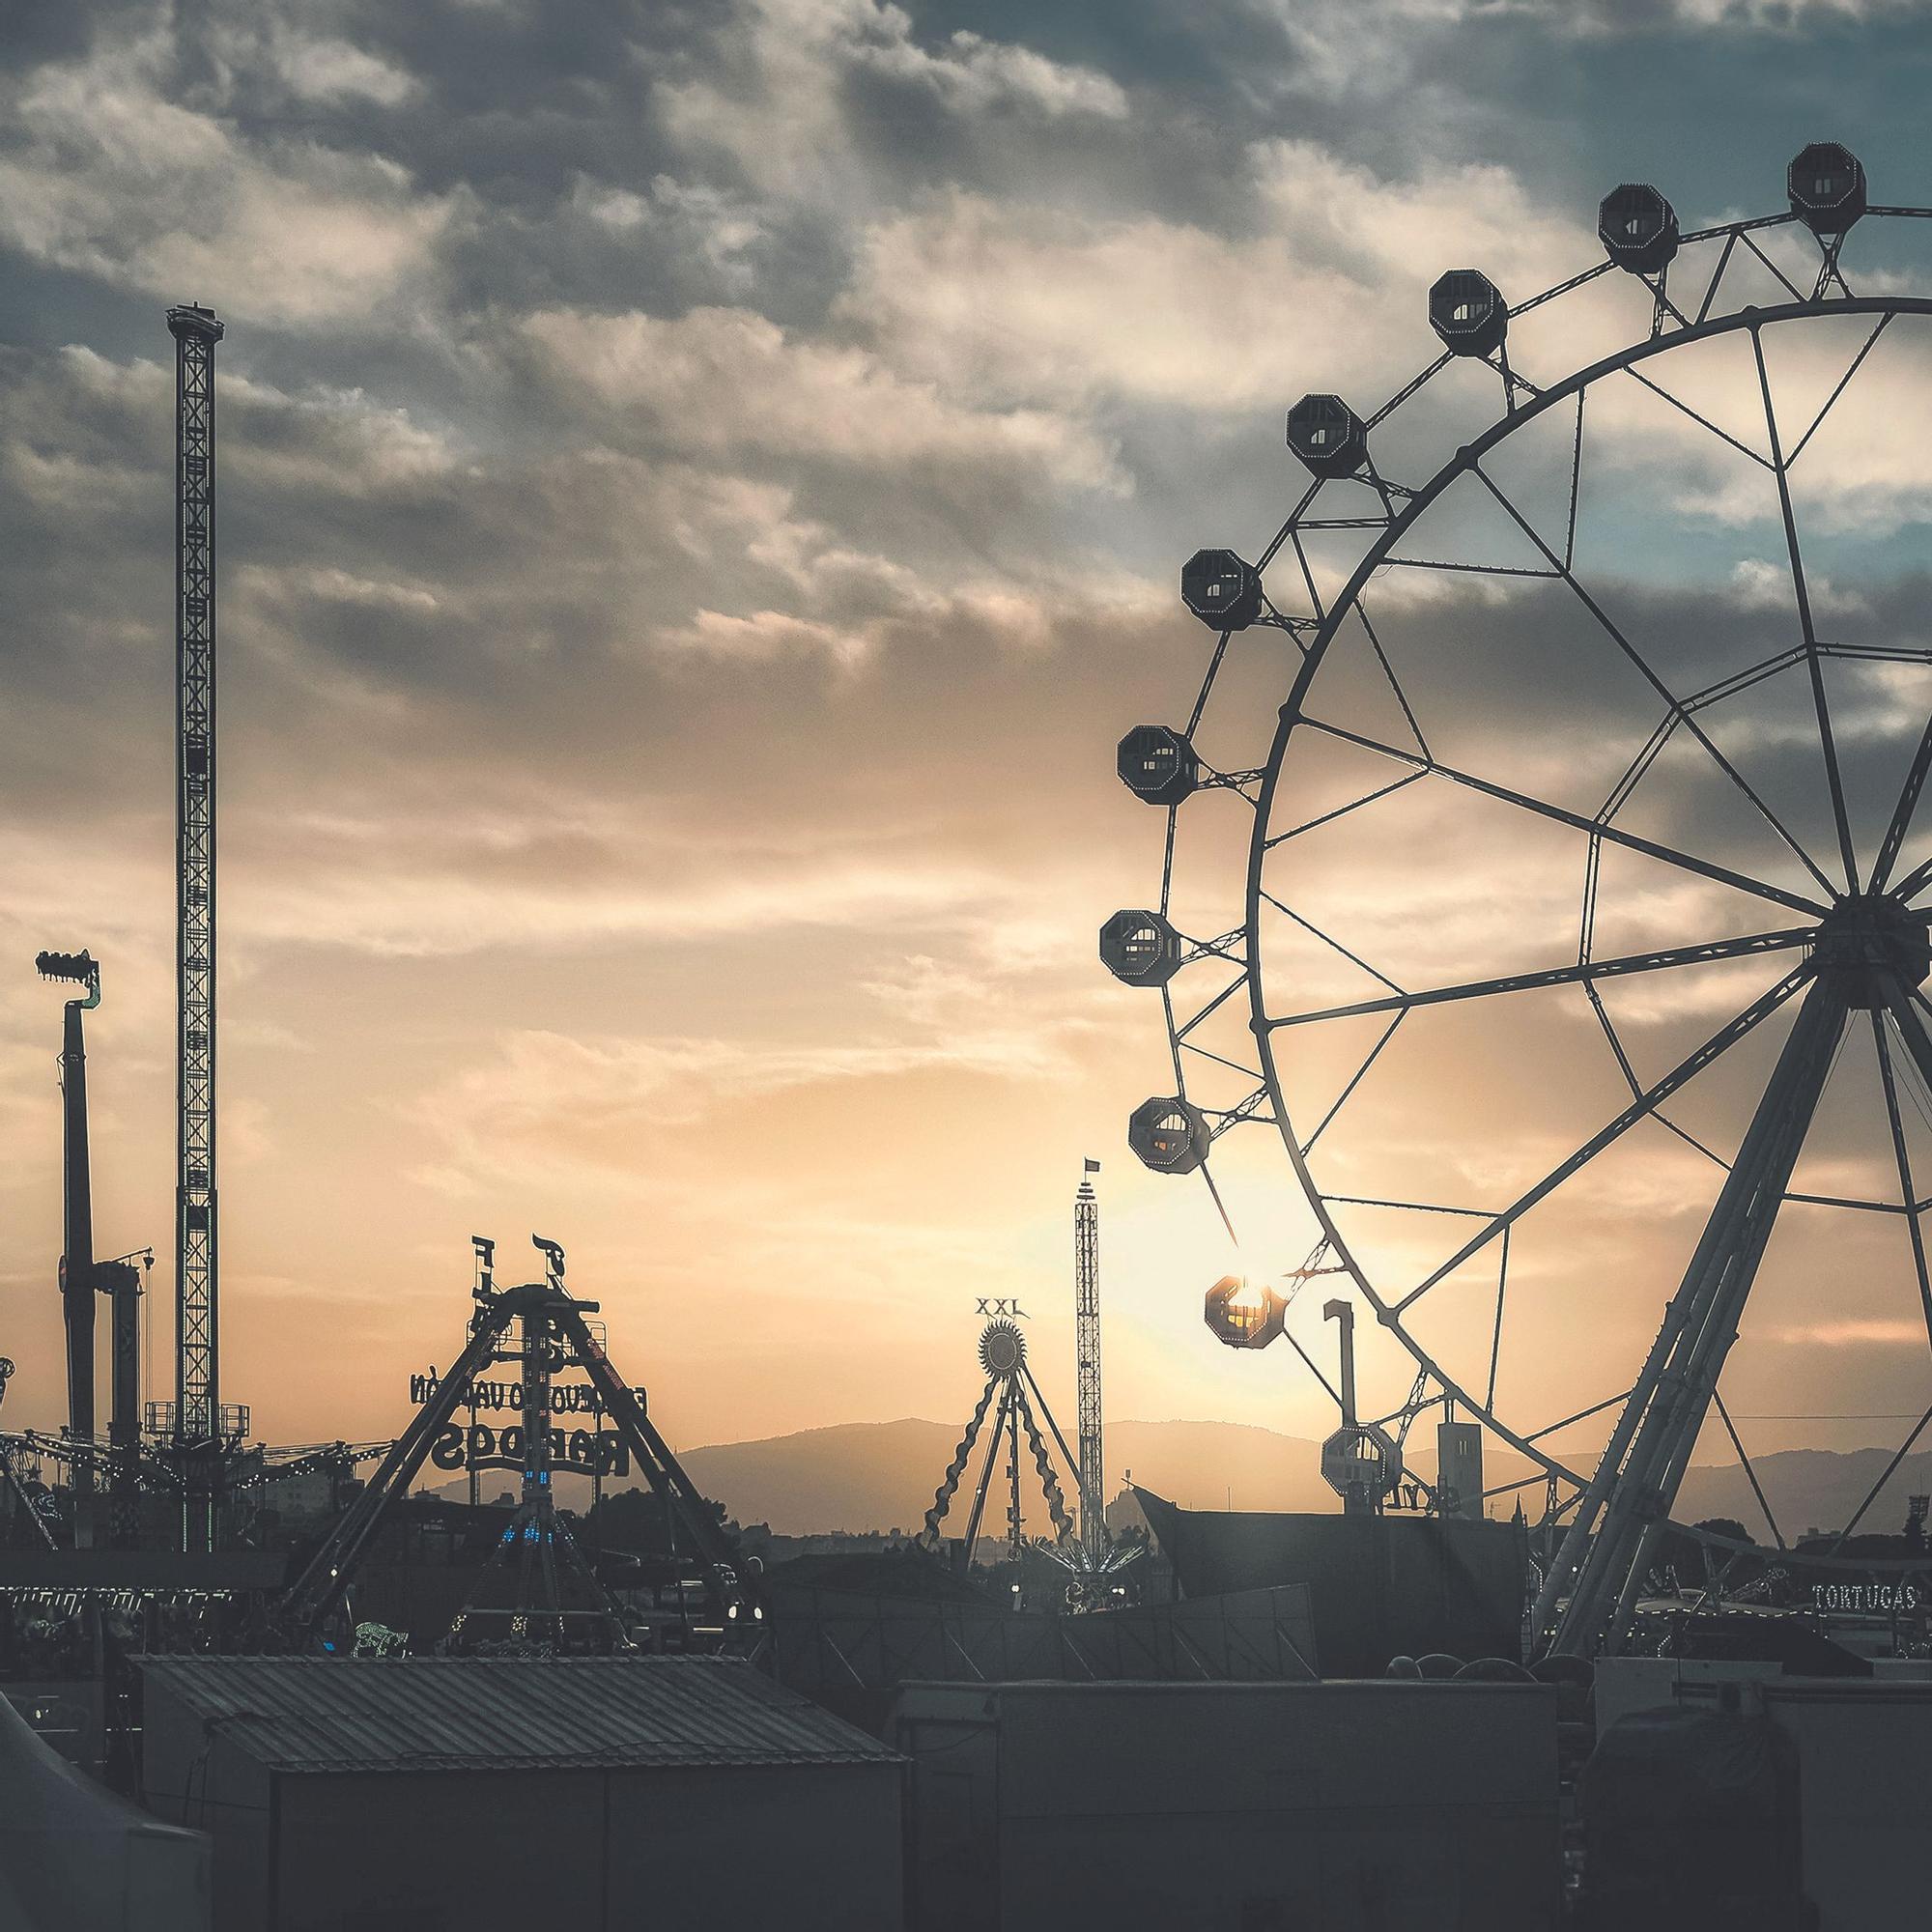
[1093, 1166]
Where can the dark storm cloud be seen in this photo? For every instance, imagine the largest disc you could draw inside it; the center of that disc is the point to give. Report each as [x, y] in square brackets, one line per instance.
[43, 30]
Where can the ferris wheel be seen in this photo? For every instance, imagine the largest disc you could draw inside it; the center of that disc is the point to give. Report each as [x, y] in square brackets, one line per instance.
[1545, 862]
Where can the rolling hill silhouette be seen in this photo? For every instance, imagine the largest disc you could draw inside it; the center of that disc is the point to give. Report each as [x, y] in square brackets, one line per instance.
[881, 1475]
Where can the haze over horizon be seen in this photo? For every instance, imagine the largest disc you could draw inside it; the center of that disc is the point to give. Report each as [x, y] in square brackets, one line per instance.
[880, 1476]
[701, 490]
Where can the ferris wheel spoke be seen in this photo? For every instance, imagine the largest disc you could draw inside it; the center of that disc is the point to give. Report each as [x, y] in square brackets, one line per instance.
[1901, 816]
[1906, 1009]
[1907, 1193]
[1723, 436]
[1914, 882]
[1635, 1085]
[1791, 288]
[1852, 1202]
[1594, 827]
[1751, 1474]
[1904, 654]
[1885, 1476]
[1641, 1108]
[1581, 1415]
[1834, 777]
[1343, 810]
[1335, 945]
[1355, 1080]
[1677, 706]
[1496, 1332]
[1394, 682]
[1844, 382]
[1643, 1463]
[1590, 969]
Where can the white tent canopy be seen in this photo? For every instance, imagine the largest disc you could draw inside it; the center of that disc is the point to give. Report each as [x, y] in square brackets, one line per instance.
[76, 1858]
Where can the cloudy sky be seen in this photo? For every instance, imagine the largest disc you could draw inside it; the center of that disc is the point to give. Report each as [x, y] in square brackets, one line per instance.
[701, 491]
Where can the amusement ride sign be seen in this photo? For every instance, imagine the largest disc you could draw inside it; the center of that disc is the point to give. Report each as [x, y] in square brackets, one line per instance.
[483, 1445]
[1868, 1598]
[565, 1398]
[480, 1446]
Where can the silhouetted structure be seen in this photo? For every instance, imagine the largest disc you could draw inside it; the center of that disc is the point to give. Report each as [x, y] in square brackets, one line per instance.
[1245, 1027]
[76, 1261]
[1637, 228]
[1087, 1366]
[1157, 764]
[1012, 1394]
[500, 1794]
[852, 1648]
[1222, 590]
[1140, 948]
[81, 1277]
[1327, 436]
[1148, 1807]
[1379, 1586]
[552, 1597]
[1691, 1818]
[76, 1858]
[201, 1432]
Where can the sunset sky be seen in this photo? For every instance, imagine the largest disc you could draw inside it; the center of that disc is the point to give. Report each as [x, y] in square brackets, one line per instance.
[701, 491]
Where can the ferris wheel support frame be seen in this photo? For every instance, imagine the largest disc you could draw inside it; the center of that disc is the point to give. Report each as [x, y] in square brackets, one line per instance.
[1865, 951]
[1600, 1573]
[1291, 715]
[1643, 1463]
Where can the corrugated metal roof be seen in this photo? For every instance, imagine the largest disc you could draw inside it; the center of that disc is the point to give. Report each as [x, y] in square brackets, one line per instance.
[502, 1714]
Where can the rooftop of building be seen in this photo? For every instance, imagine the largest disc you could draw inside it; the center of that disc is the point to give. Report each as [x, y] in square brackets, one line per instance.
[503, 1714]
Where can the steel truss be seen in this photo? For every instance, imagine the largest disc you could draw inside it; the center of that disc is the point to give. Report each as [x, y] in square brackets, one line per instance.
[1857, 935]
[1087, 1365]
[198, 1435]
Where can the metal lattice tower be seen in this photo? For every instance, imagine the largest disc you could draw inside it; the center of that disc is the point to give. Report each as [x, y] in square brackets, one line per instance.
[197, 1416]
[1086, 1363]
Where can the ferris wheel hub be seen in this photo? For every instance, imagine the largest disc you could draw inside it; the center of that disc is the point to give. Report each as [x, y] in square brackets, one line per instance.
[1876, 943]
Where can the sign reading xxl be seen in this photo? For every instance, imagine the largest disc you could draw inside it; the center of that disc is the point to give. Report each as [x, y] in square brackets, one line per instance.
[482, 1447]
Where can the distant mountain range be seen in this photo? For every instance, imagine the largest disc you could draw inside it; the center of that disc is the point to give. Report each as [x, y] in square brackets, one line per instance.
[1807, 1488]
[882, 1475]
